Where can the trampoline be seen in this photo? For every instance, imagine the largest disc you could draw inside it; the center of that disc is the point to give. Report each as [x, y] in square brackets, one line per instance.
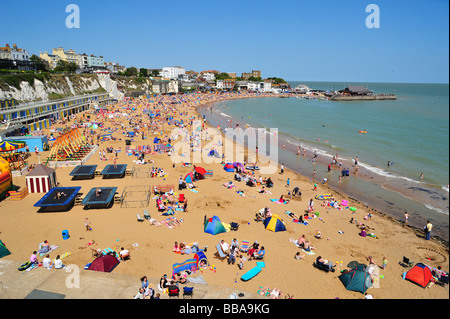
[105, 200]
[114, 172]
[50, 202]
[83, 172]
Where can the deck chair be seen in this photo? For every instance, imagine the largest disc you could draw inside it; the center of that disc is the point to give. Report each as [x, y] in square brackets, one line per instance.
[405, 263]
[146, 214]
[139, 218]
[234, 226]
[244, 246]
[174, 292]
[188, 292]
[181, 198]
[220, 254]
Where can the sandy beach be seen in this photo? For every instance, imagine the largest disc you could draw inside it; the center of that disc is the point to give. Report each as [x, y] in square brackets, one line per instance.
[151, 246]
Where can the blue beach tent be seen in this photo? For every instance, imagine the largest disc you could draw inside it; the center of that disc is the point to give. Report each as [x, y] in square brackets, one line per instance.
[228, 167]
[214, 226]
[213, 153]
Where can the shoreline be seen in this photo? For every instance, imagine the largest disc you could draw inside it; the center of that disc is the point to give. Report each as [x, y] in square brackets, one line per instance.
[396, 219]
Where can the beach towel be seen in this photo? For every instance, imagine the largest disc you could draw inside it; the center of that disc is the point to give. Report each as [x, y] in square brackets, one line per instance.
[308, 252]
[292, 240]
[193, 190]
[275, 200]
[52, 248]
[110, 250]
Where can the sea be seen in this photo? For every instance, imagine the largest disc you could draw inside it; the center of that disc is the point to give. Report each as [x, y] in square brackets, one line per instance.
[411, 133]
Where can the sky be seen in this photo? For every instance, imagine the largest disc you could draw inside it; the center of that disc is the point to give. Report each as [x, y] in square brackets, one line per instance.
[298, 40]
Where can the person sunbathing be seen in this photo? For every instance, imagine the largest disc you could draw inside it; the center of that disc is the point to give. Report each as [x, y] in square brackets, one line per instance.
[301, 241]
[179, 279]
[88, 244]
[324, 262]
[292, 215]
[307, 246]
[275, 293]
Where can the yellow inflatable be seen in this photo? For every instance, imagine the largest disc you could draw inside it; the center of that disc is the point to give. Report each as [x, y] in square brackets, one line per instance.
[5, 176]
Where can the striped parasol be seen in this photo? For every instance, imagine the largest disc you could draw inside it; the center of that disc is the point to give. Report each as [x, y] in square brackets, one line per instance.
[7, 146]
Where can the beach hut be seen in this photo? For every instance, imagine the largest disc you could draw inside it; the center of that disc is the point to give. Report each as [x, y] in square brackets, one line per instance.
[104, 263]
[274, 223]
[3, 250]
[228, 168]
[420, 274]
[41, 179]
[356, 279]
[214, 226]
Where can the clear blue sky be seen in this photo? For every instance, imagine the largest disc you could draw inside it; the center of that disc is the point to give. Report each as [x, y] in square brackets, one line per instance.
[295, 40]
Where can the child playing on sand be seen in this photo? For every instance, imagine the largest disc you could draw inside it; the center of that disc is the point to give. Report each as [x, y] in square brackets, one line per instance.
[176, 248]
[87, 224]
[384, 263]
[298, 256]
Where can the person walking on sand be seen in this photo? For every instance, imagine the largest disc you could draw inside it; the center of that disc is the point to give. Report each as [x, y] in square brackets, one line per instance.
[282, 169]
[428, 229]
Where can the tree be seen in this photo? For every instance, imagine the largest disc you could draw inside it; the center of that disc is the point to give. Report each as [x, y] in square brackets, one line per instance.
[132, 71]
[143, 72]
[223, 76]
[39, 64]
[155, 73]
[64, 66]
[277, 80]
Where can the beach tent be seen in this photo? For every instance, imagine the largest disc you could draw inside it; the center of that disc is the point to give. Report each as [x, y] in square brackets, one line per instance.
[3, 250]
[228, 167]
[214, 226]
[105, 263]
[156, 140]
[199, 257]
[356, 279]
[274, 223]
[189, 178]
[420, 274]
[41, 179]
[213, 153]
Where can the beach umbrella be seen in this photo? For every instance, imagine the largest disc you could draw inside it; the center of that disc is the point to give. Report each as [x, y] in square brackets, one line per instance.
[200, 170]
[7, 146]
[189, 178]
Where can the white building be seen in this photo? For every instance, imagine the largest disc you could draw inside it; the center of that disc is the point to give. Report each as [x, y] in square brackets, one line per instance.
[263, 86]
[172, 72]
[209, 76]
[15, 53]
